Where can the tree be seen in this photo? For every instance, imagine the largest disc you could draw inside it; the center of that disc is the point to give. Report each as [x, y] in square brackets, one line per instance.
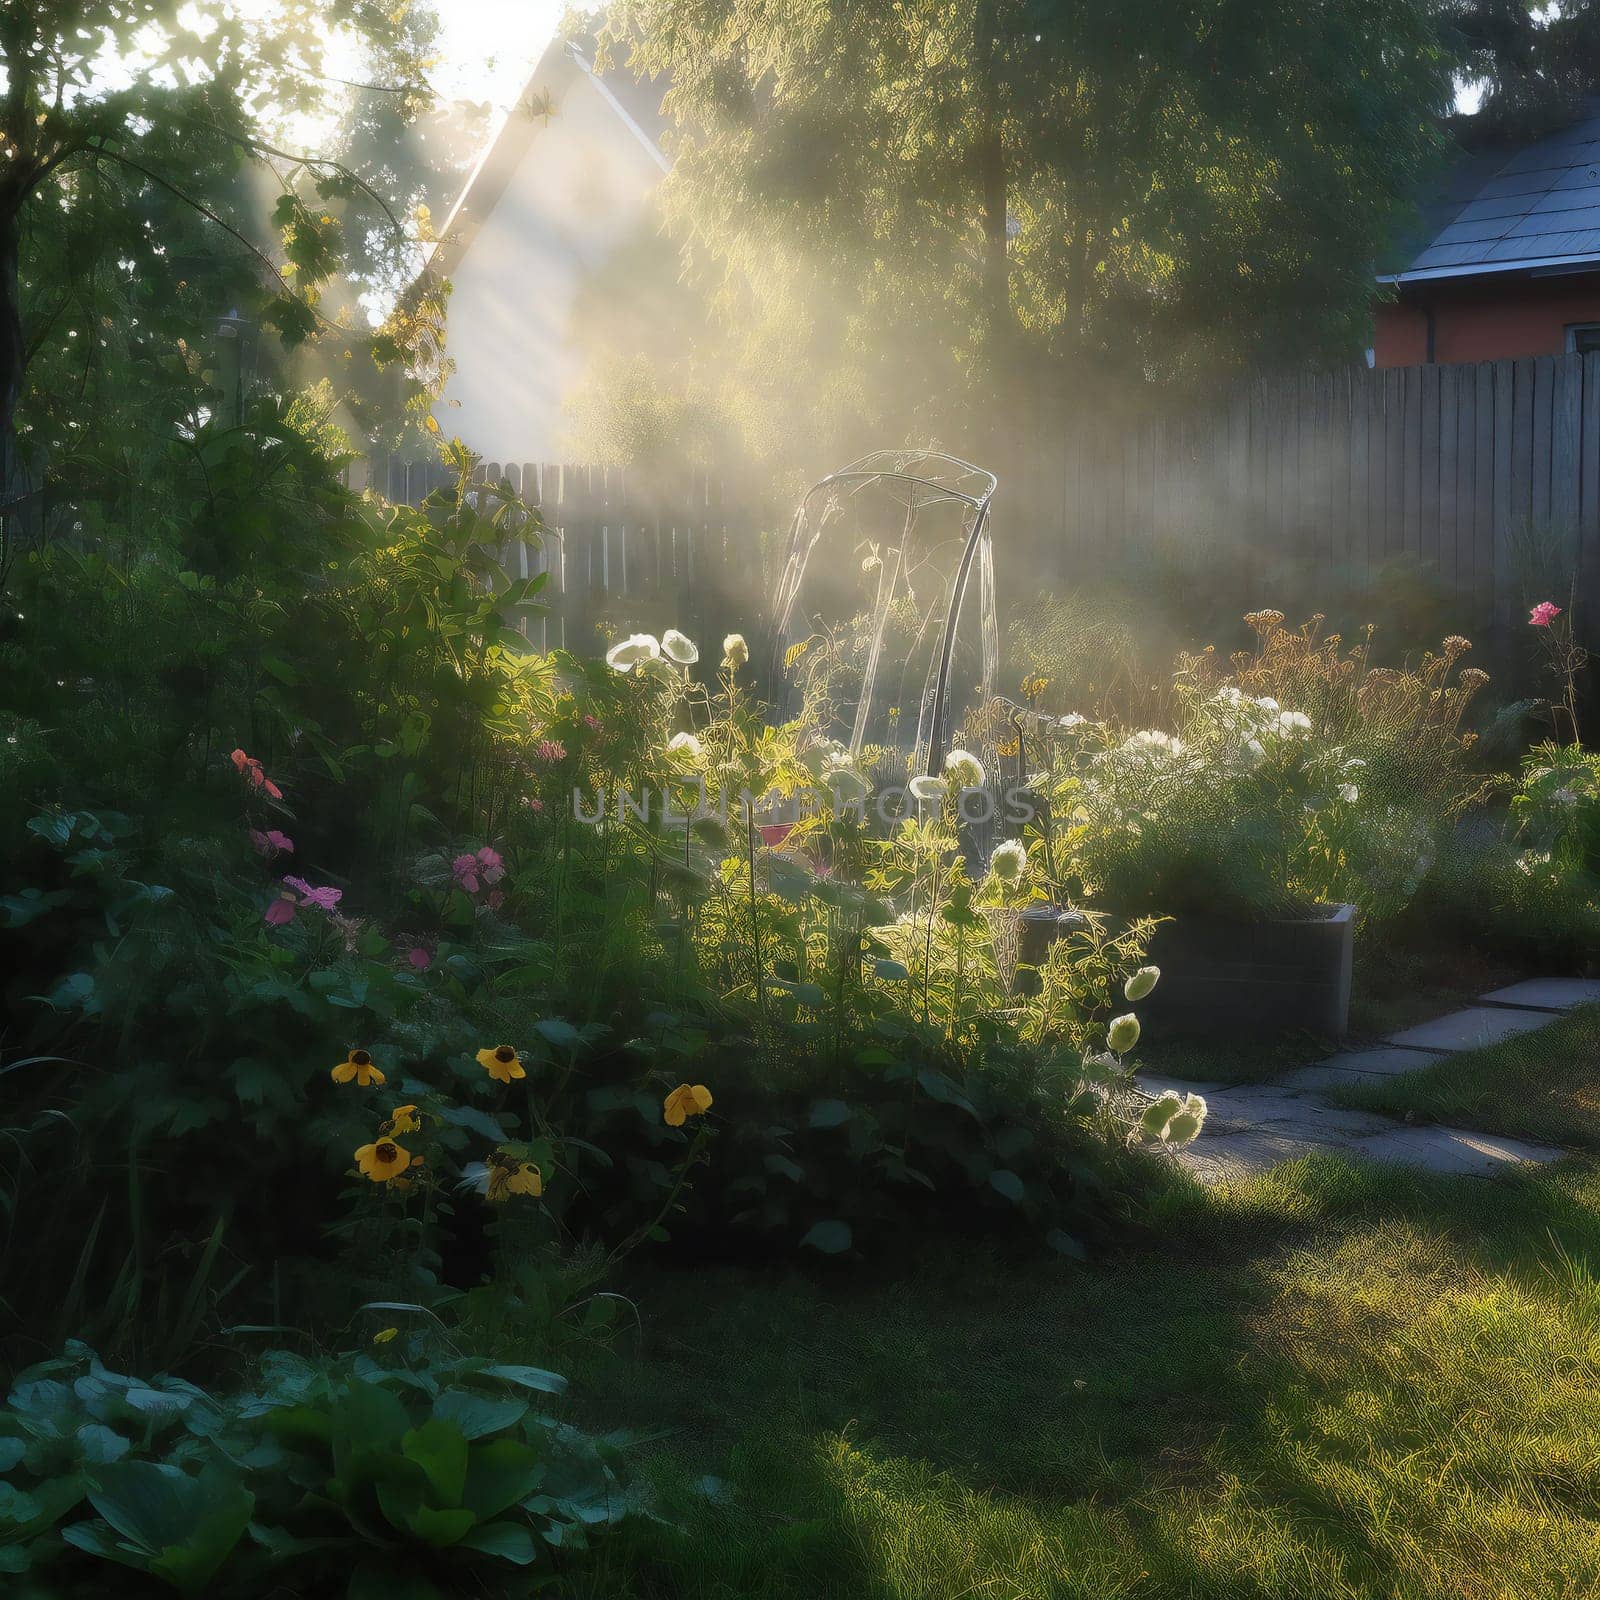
[118, 118]
[1532, 63]
[926, 204]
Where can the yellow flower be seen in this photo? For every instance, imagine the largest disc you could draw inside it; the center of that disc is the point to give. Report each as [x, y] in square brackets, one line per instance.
[384, 1335]
[357, 1065]
[382, 1160]
[403, 1119]
[509, 1176]
[502, 1063]
[687, 1100]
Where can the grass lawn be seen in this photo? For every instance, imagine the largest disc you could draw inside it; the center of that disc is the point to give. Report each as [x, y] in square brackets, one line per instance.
[1332, 1381]
[1543, 1085]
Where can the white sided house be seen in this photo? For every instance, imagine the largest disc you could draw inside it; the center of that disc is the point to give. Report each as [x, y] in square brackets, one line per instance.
[568, 178]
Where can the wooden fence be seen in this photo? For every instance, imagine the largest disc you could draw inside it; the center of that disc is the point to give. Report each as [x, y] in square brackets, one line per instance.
[684, 556]
[1463, 469]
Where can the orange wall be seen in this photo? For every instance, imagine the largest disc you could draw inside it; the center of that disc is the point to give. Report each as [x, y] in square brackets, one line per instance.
[1483, 319]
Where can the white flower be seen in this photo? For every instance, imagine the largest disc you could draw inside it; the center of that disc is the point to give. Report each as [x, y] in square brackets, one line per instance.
[680, 648]
[735, 652]
[1564, 797]
[928, 788]
[1073, 719]
[628, 653]
[658, 668]
[1123, 1034]
[1009, 861]
[685, 742]
[1256, 751]
[1141, 983]
[1349, 793]
[964, 769]
[1160, 1112]
[1267, 703]
[1293, 724]
[1186, 1122]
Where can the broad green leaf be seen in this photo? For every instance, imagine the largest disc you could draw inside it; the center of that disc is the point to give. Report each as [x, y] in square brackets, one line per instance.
[831, 1238]
[830, 1113]
[510, 1541]
[499, 1474]
[440, 1449]
[441, 1528]
[1008, 1184]
[478, 1415]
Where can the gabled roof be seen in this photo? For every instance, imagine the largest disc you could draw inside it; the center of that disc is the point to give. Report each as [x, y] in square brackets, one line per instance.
[637, 106]
[1538, 210]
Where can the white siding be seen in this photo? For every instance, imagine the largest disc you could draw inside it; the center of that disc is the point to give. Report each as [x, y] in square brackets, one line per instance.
[583, 185]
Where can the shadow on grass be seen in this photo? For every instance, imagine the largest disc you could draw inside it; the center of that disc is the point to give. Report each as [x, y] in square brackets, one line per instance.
[1329, 1381]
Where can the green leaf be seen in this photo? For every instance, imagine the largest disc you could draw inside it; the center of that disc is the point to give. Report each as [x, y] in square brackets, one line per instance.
[891, 971]
[1066, 1245]
[831, 1238]
[557, 1031]
[100, 1445]
[477, 1415]
[510, 1541]
[440, 1449]
[185, 1527]
[441, 1528]
[11, 1452]
[528, 1378]
[1008, 1184]
[830, 1113]
[499, 1474]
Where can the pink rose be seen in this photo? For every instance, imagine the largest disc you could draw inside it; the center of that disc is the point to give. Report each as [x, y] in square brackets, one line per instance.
[1543, 614]
[419, 958]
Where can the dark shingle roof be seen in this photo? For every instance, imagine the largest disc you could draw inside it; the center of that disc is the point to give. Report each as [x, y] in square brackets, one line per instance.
[1539, 208]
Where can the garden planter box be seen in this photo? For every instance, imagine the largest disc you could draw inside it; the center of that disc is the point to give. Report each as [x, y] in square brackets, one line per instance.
[1267, 976]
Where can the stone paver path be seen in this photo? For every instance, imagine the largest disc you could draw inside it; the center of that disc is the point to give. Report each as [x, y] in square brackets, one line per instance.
[1254, 1126]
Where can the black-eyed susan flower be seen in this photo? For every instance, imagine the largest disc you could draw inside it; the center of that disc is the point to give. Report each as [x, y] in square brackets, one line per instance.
[687, 1100]
[382, 1160]
[403, 1119]
[501, 1062]
[509, 1175]
[358, 1066]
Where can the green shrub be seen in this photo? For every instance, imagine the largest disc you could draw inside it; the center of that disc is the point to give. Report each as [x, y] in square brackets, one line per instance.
[414, 1472]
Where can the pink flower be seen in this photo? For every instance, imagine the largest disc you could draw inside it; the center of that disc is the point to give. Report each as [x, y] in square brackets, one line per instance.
[535, 805]
[475, 872]
[280, 911]
[550, 750]
[249, 767]
[419, 958]
[591, 723]
[322, 899]
[272, 842]
[1543, 614]
[495, 899]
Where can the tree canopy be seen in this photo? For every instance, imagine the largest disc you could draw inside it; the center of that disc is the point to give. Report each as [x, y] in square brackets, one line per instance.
[914, 205]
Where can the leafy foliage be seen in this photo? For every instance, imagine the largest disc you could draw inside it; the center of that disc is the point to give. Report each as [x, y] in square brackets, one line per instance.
[371, 1464]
